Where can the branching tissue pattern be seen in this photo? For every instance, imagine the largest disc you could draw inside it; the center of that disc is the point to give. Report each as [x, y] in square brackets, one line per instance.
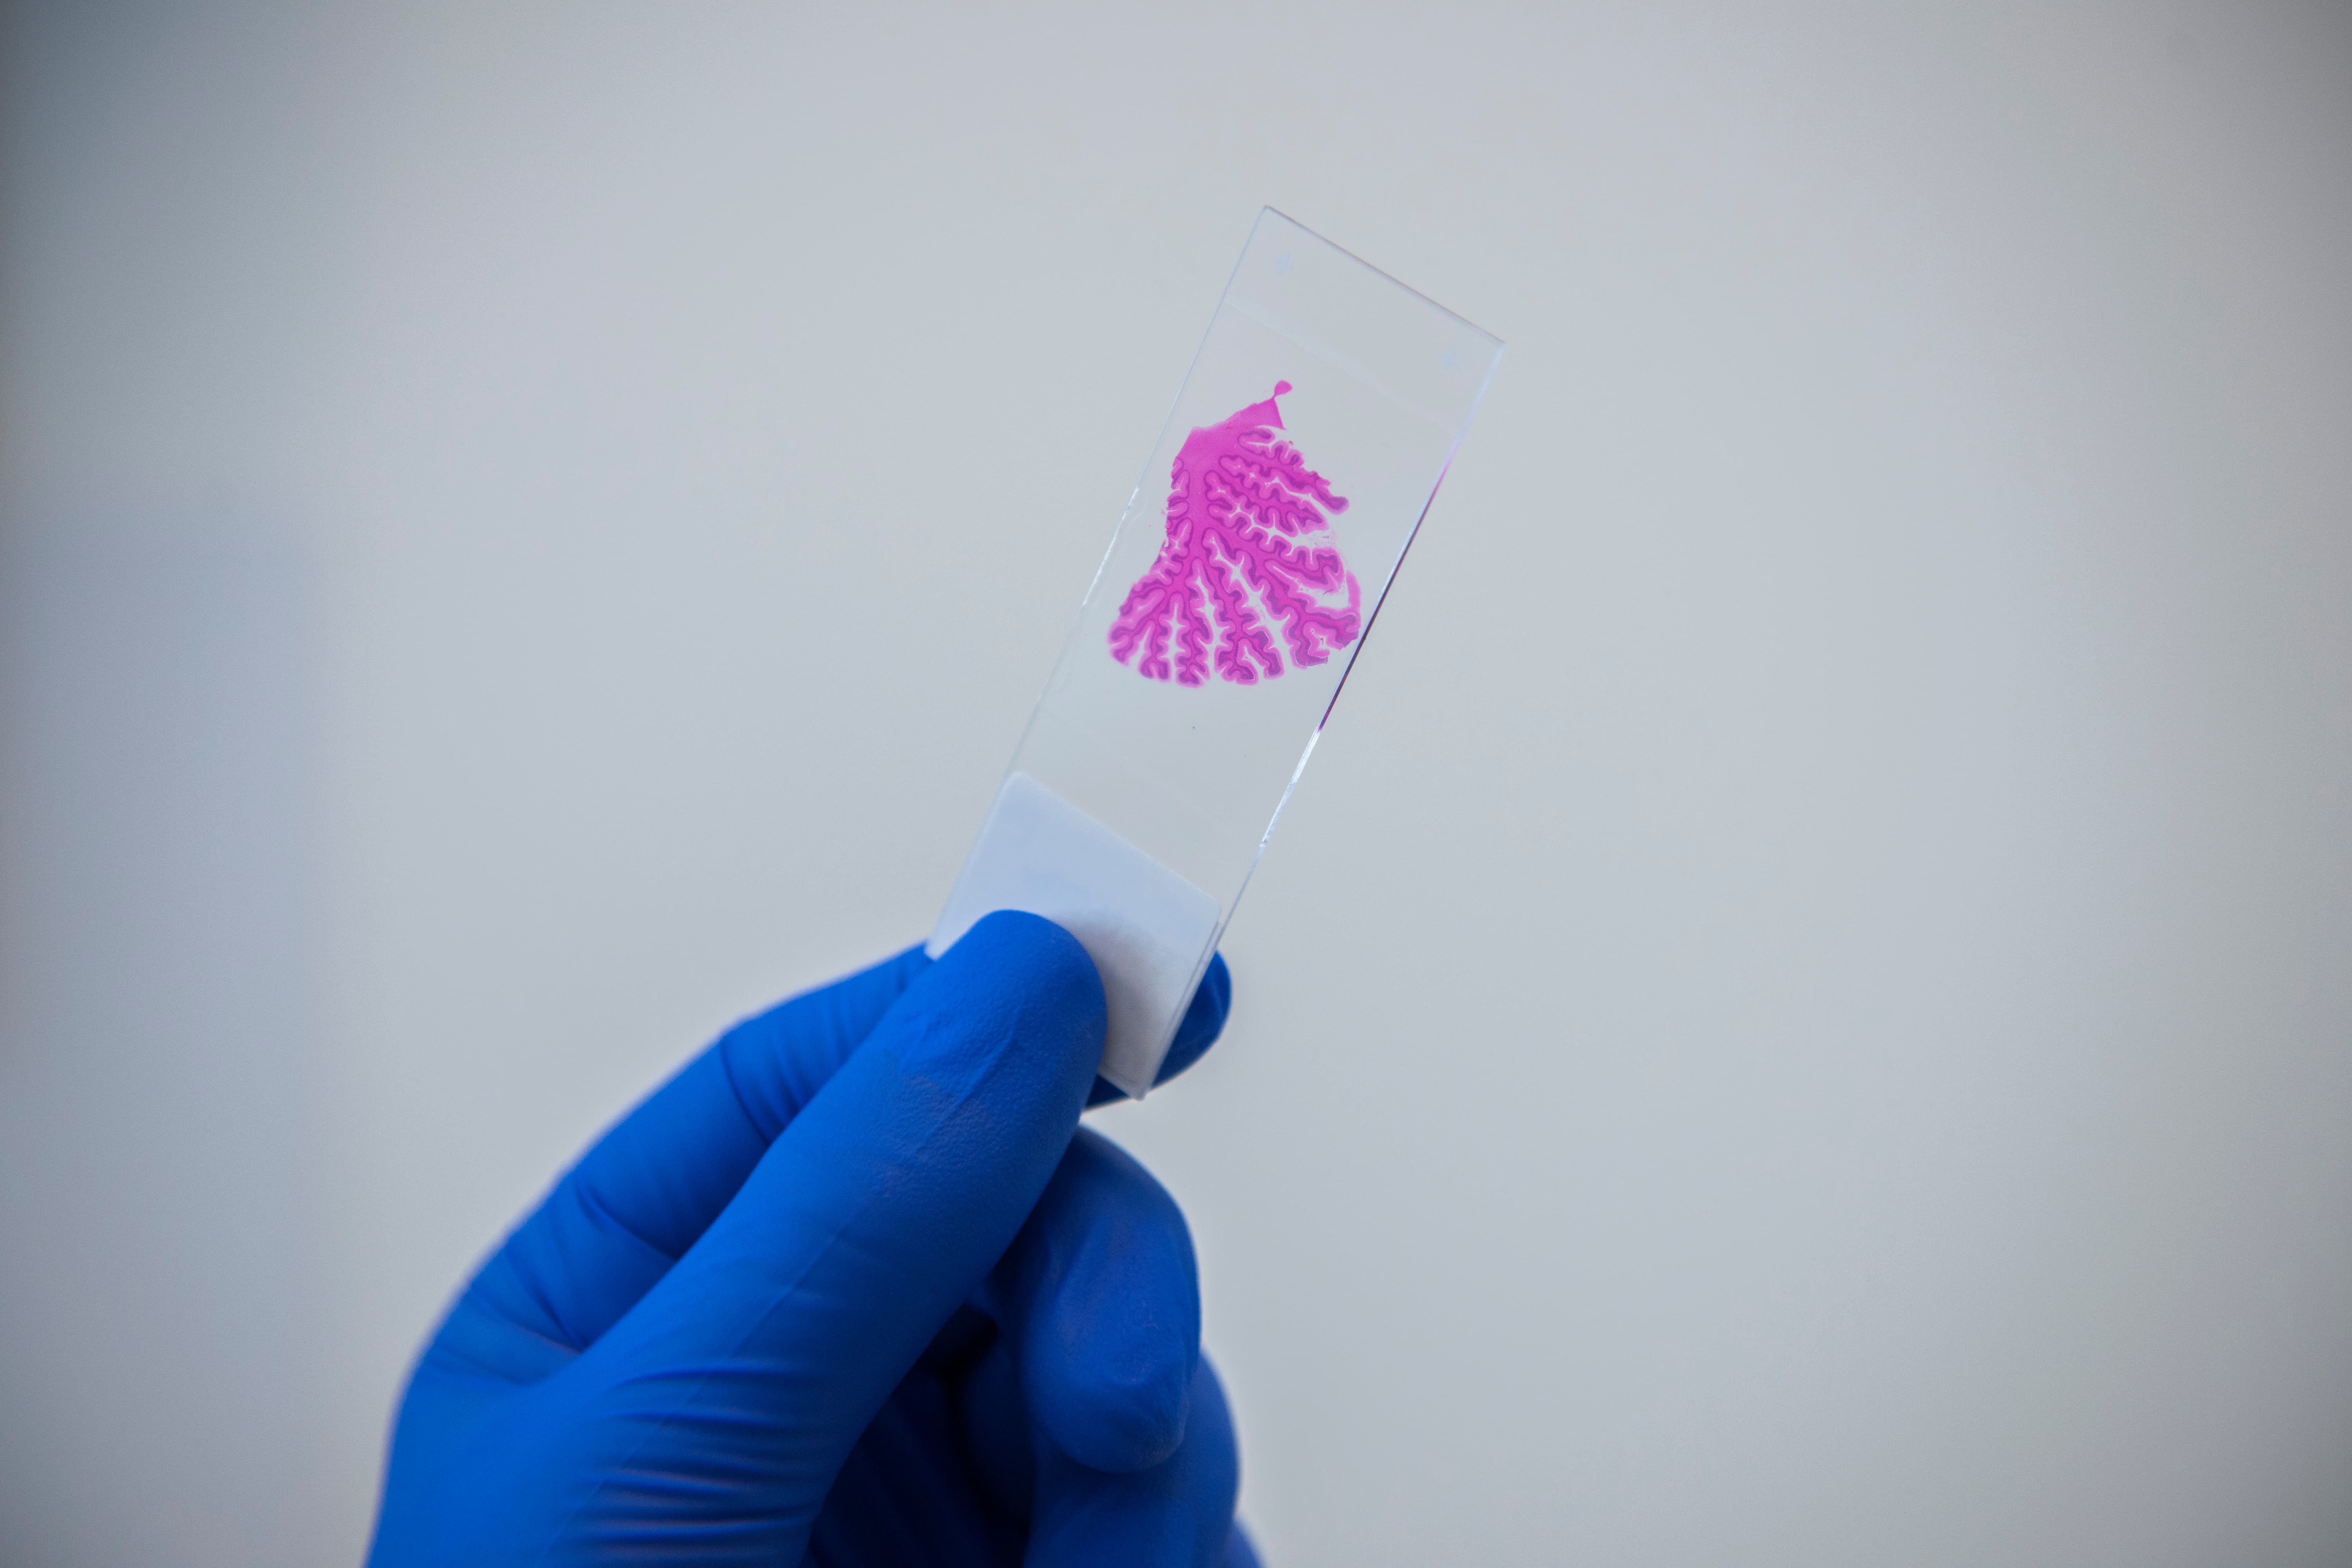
[1246, 517]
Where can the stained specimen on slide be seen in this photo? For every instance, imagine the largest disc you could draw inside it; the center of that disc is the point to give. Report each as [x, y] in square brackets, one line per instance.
[1249, 542]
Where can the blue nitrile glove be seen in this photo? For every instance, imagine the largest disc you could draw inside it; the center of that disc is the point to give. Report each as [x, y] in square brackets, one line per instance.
[851, 1288]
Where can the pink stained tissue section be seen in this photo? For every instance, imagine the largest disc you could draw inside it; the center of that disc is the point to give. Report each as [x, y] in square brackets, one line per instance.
[1249, 540]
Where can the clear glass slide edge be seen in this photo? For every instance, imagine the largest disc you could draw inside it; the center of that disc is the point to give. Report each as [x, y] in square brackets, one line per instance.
[1387, 335]
[1303, 448]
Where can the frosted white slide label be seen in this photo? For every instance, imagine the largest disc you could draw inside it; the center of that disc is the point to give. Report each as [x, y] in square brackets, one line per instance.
[1147, 930]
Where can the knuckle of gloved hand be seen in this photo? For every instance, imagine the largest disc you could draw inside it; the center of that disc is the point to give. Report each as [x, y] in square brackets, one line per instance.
[1111, 1356]
[1117, 1402]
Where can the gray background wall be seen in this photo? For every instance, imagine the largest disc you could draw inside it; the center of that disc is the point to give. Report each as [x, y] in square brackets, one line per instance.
[1799, 1016]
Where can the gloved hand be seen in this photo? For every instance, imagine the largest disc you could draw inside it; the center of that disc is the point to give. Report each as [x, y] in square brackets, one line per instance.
[851, 1287]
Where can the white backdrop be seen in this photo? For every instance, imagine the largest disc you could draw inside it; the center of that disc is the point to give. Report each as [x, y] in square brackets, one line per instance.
[1801, 1014]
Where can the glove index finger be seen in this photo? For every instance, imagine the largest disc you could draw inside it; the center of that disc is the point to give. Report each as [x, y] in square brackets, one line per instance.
[639, 1199]
[875, 1212]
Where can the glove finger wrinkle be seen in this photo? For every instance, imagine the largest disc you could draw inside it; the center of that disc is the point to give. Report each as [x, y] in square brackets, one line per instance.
[618, 1221]
[869, 1221]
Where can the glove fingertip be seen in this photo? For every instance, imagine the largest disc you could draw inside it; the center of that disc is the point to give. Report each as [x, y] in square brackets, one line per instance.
[1115, 1424]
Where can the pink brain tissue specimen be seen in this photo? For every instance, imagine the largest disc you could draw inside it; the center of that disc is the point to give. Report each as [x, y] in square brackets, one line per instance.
[1249, 540]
